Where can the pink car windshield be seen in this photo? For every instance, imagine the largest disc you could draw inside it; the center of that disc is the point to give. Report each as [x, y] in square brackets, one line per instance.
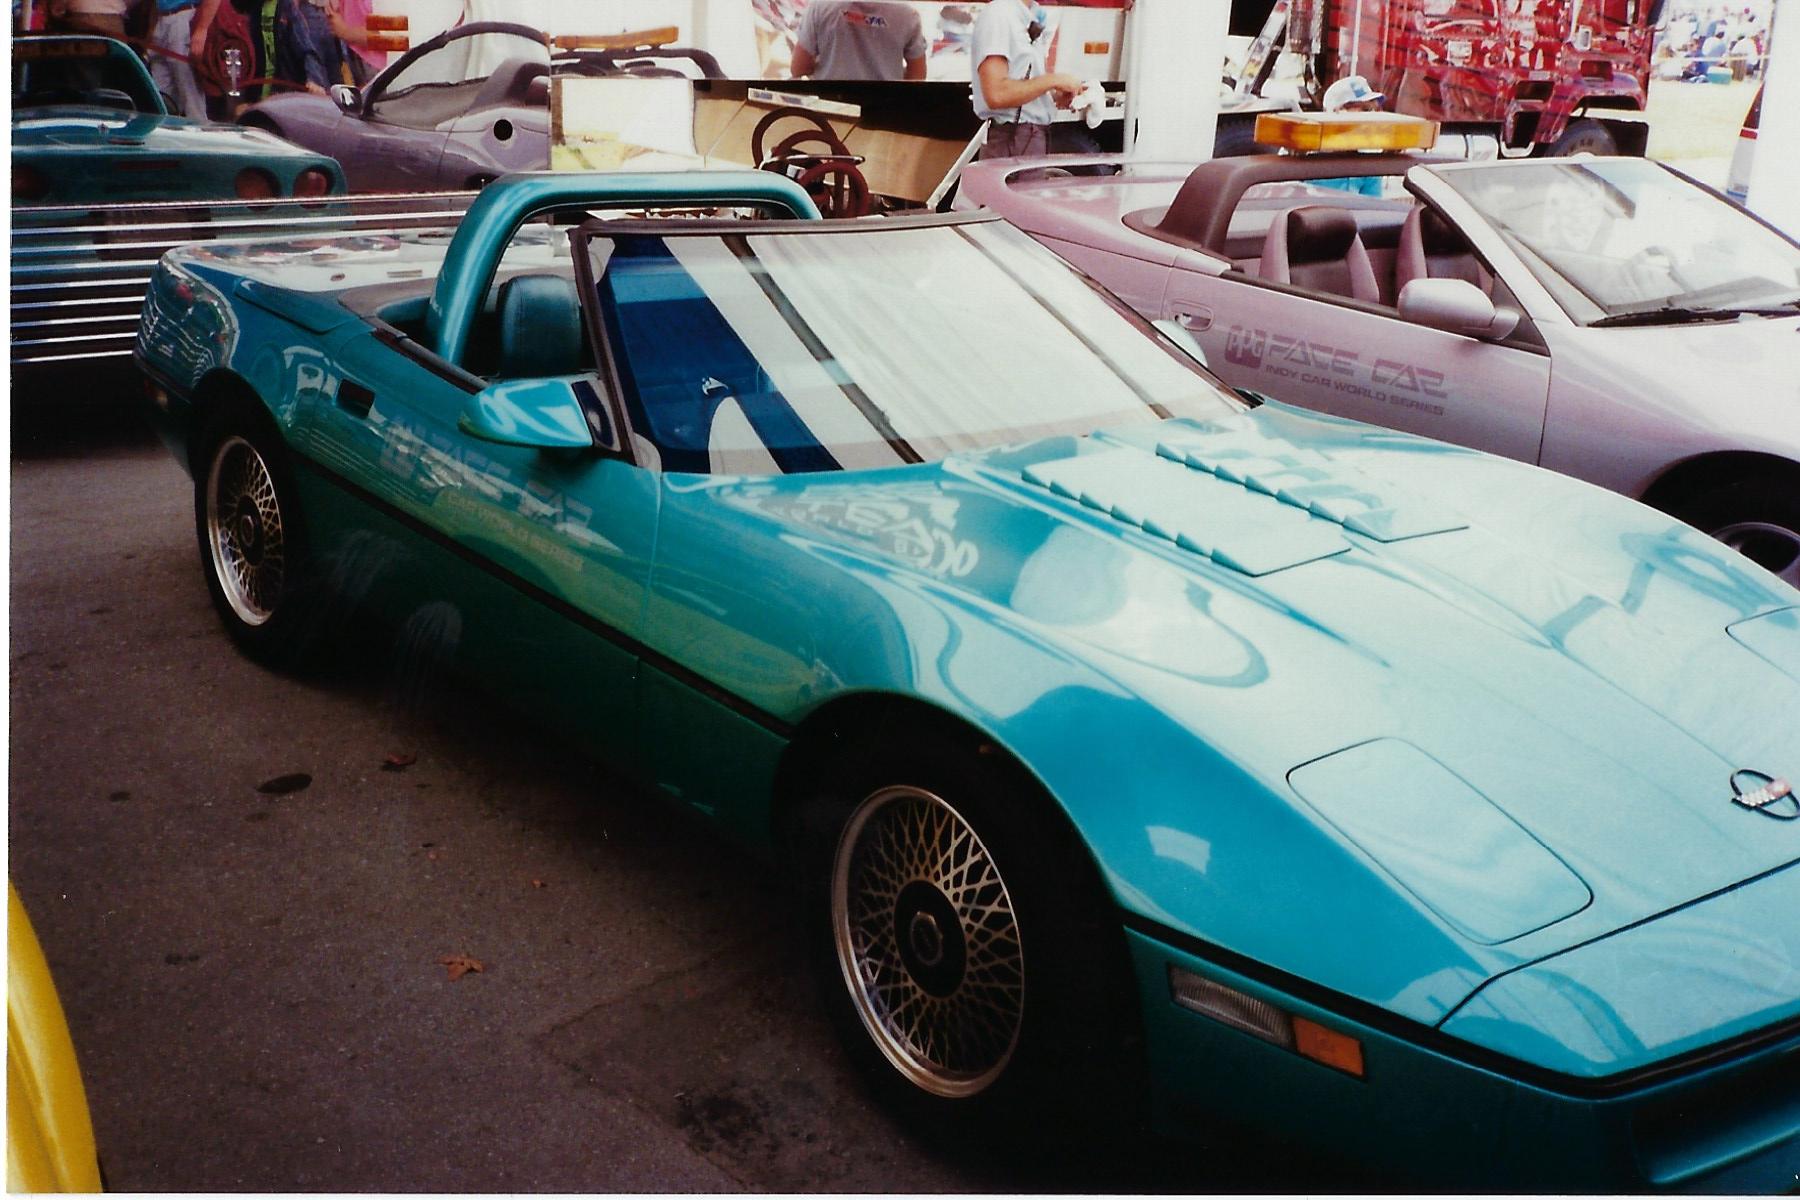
[1624, 240]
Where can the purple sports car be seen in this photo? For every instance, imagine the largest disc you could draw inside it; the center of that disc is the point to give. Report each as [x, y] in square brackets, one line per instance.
[453, 112]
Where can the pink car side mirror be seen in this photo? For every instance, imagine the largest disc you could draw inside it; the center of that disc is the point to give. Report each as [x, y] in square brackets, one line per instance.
[1456, 306]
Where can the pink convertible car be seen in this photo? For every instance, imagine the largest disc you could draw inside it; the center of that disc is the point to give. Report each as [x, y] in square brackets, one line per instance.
[1607, 318]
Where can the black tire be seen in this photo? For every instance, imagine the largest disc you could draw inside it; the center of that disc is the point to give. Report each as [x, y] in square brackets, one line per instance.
[252, 536]
[1004, 1010]
[1583, 135]
[1758, 516]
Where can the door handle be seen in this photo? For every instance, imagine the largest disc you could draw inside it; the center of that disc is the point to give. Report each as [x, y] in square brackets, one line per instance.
[355, 399]
[1197, 317]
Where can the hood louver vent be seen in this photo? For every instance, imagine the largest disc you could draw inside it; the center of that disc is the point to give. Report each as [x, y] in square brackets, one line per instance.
[1252, 514]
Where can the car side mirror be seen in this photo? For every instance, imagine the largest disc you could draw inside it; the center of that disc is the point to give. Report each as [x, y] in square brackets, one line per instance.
[1455, 306]
[1178, 333]
[539, 413]
[347, 98]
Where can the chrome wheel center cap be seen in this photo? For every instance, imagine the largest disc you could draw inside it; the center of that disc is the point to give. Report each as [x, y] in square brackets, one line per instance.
[927, 939]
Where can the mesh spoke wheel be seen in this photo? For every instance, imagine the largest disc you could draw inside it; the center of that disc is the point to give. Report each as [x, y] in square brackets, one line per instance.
[1766, 544]
[927, 941]
[244, 532]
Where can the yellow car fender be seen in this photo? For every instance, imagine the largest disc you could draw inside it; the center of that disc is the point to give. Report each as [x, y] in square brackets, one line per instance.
[49, 1137]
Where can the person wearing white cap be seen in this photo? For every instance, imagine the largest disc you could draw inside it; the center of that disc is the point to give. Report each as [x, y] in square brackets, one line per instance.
[1352, 93]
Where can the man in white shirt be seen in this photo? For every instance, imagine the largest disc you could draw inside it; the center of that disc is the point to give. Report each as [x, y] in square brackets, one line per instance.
[860, 39]
[1013, 89]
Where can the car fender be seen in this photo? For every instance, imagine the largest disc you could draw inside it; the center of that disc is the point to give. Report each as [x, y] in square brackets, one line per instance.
[1626, 405]
[1199, 849]
[303, 118]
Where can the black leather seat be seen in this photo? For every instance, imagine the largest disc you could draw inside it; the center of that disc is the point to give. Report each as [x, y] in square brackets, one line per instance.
[1318, 248]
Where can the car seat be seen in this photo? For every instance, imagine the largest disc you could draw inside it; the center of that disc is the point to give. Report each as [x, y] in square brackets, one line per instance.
[1318, 248]
[540, 327]
[1432, 248]
[511, 83]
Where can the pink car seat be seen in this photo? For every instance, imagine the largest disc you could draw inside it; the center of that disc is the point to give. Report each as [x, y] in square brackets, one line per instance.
[1319, 248]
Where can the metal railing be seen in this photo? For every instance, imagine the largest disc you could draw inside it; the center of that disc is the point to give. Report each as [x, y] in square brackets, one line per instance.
[79, 272]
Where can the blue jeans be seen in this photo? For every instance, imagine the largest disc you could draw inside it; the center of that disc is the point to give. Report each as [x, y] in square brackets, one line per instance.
[331, 50]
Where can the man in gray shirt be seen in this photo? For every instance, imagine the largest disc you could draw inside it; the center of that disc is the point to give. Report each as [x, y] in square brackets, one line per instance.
[860, 39]
[1012, 89]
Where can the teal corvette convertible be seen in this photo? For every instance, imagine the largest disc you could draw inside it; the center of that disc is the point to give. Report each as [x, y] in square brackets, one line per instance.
[1140, 748]
[89, 127]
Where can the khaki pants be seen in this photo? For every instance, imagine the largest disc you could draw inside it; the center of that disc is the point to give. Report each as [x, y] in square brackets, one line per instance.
[1016, 139]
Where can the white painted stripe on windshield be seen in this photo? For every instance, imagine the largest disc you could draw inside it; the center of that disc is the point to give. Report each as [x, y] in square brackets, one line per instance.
[814, 395]
[735, 448]
[943, 341]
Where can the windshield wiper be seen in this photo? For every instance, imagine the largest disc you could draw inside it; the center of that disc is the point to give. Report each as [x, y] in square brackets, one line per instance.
[1676, 314]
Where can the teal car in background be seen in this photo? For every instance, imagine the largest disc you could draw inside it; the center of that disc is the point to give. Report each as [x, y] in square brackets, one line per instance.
[1138, 748]
[89, 127]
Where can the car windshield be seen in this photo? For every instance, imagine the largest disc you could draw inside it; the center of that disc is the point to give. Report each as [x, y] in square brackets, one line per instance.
[1626, 240]
[476, 71]
[873, 345]
[90, 71]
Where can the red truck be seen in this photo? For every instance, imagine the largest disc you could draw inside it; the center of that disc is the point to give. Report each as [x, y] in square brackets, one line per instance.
[1543, 76]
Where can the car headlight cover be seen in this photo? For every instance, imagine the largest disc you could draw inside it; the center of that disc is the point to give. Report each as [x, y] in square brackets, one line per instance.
[1270, 1022]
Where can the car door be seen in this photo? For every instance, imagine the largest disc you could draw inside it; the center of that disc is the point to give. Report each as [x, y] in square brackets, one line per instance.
[390, 157]
[528, 567]
[1361, 360]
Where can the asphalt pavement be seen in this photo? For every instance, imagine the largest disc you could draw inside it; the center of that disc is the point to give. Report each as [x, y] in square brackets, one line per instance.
[255, 890]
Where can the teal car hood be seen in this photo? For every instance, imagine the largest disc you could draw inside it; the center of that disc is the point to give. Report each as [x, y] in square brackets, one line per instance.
[1277, 585]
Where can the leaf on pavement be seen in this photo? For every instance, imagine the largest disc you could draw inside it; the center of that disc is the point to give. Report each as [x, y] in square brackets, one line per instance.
[461, 964]
[399, 762]
[281, 785]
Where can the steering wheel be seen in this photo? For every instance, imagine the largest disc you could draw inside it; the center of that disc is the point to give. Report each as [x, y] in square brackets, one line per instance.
[1650, 265]
[804, 144]
[821, 128]
[836, 185]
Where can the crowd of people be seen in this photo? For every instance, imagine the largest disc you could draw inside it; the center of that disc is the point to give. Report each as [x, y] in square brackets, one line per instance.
[284, 44]
[1704, 43]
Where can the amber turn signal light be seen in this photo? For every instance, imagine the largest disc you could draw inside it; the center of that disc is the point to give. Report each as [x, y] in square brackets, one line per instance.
[1339, 1050]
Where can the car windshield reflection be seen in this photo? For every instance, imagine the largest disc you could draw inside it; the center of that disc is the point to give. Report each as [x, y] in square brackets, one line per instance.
[798, 351]
[1620, 238]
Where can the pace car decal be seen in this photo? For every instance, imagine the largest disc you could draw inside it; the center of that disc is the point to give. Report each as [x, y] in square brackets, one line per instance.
[1320, 364]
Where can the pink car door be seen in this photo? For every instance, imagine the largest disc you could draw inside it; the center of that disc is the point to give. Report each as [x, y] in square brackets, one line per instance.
[1362, 361]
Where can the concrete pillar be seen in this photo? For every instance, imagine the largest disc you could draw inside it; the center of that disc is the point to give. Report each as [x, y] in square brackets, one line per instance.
[1174, 55]
[1775, 176]
[728, 29]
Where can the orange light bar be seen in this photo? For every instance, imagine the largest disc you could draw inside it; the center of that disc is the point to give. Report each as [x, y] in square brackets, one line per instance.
[1328, 1046]
[393, 43]
[643, 39]
[1311, 132]
[392, 23]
